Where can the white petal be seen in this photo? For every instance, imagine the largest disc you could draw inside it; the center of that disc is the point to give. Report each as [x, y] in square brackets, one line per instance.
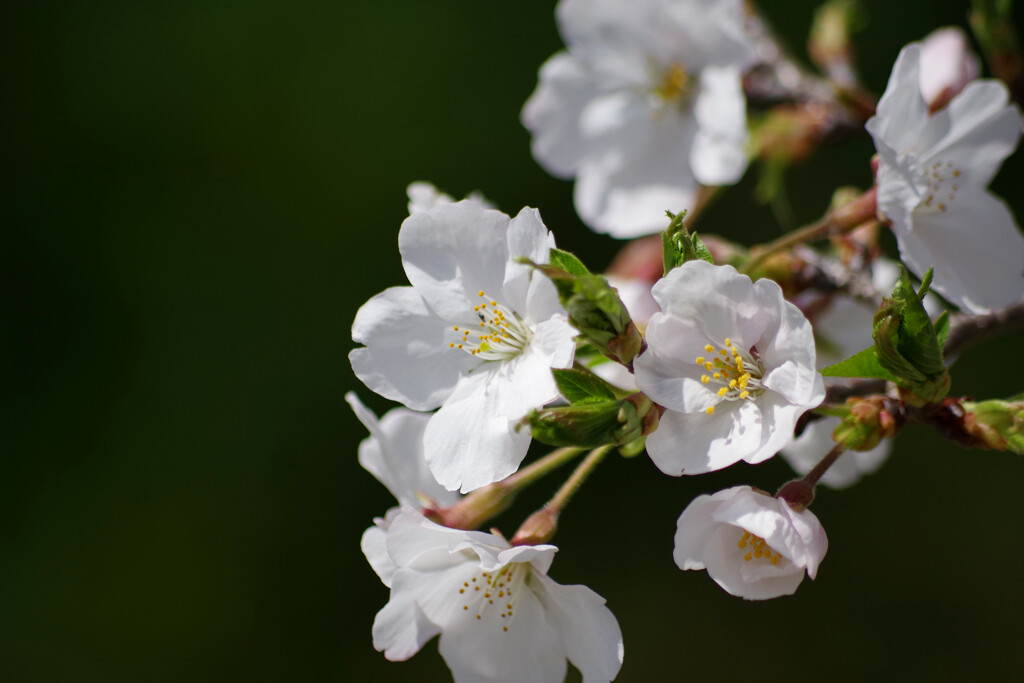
[976, 249]
[975, 133]
[779, 418]
[481, 651]
[451, 252]
[406, 357]
[527, 236]
[589, 632]
[400, 628]
[718, 156]
[415, 541]
[695, 443]
[695, 526]
[539, 556]
[394, 454]
[552, 114]
[667, 372]
[726, 566]
[467, 443]
[902, 112]
[640, 171]
[716, 299]
[374, 545]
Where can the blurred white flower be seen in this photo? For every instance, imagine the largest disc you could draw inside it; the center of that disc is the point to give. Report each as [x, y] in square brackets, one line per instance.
[753, 545]
[644, 104]
[476, 334]
[932, 176]
[816, 441]
[500, 617]
[947, 65]
[423, 196]
[733, 363]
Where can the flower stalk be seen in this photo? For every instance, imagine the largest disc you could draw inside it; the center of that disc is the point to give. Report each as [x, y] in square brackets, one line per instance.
[486, 503]
[541, 525]
[838, 221]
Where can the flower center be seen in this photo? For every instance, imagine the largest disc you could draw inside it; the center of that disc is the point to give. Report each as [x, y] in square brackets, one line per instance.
[673, 86]
[493, 595]
[499, 333]
[943, 182]
[735, 371]
[757, 549]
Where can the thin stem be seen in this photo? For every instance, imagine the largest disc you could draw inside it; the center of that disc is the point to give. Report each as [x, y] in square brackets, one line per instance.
[576, 479]
[541, 525]
[490, 501]
[541, 467]
[812, 477]
[837, 222]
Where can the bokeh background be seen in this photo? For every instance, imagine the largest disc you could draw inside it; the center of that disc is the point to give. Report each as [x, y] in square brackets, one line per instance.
[196, 198]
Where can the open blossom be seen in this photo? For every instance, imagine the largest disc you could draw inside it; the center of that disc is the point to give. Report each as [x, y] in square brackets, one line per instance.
[753, 545]
[393, 453]
[645, 104]
[733, 363]
[477, 334]
[932, 179]
[499, 615]
[816, 440]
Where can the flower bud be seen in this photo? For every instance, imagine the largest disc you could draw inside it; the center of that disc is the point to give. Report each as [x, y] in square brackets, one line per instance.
[538, 528]
[907, 343]
[474, 509]
[870, 420]
[996, 424]
[589, 425]
[947, 65]
[594, 308]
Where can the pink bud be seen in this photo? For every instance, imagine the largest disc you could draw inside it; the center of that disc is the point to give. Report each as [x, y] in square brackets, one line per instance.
[947, 65]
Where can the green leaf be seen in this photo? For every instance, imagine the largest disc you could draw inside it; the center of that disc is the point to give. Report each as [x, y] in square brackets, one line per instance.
[568, 262]
[942, 328]
[580, 387]
[862, 364]
[703, 253]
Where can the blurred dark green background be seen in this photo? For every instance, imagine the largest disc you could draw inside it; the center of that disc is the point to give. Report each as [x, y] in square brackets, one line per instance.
[196, 198]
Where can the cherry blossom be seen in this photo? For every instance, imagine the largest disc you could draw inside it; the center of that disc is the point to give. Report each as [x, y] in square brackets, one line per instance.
[476, 334]
[932, 178]
[732, 362]
[499, 615]
[645, 103]
[753, 545]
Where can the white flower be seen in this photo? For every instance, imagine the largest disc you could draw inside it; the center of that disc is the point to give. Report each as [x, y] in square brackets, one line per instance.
[423, 196]
[732, 362]
[393, 453]
[476, 334]
[645, 104]
[499, 615]
[947, 65]
[810, 447]
[932, 176]
[753, 545]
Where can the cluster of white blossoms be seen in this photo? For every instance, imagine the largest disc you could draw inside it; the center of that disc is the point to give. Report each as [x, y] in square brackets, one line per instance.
[645, 105]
